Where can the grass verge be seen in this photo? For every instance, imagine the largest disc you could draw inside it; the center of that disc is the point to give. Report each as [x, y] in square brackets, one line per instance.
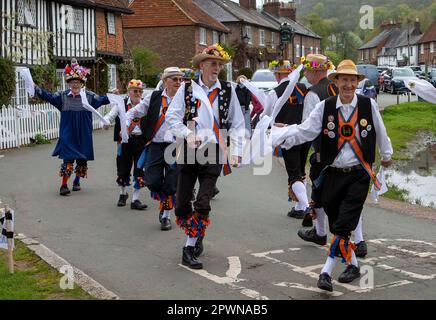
[33, 279]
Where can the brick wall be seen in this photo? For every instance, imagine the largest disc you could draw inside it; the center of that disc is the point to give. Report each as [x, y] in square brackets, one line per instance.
[108, 42]
[175, 45]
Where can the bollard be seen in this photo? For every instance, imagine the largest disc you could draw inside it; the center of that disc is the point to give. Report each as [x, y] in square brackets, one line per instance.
[398, 98]
[10, 240]
[408, 96]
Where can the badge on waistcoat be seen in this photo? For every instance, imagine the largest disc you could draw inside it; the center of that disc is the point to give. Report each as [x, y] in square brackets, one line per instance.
[347, 130]
[330, 125]
[331, 118]
[364, 133]
[363, 122]
[331, 135]
[369, 127]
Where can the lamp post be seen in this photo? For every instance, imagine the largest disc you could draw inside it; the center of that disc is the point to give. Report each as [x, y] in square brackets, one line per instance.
[245, 40]
[286, 36]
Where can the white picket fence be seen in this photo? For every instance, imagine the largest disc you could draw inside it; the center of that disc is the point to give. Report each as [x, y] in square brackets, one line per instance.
[21, 123]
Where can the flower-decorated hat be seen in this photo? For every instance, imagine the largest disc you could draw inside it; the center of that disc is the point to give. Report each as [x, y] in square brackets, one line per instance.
[188, 73]
[135, 84]
[282, 66]
[215, 52]
[75, 72]
[317, 62]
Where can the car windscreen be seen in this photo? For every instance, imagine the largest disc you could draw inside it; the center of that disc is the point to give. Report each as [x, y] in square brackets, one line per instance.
[403, 73]
[263, 77]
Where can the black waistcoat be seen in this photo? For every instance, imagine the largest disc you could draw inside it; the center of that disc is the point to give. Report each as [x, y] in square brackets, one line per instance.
[117, 127]
[152, 114]
[291, 113]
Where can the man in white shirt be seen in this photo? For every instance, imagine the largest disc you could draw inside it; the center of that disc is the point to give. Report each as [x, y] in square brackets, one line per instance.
[160, 176]
[350, 127]
[206, 104]
[128, 153]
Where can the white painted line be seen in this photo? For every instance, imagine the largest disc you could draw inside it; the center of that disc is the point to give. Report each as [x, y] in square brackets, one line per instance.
[230, 279]
[308, 288]
[262, 254]
[393, 284]
[414, 253]
[407, 273]
[1, 156]
[88, 284]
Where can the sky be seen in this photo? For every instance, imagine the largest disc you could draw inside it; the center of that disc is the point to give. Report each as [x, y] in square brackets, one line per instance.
[260, 2]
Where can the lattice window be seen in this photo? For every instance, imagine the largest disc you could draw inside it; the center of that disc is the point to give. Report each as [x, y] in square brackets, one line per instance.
[74, 18]
[26, 10]
[203, 40]
[62, 85]
[20, 95]
[110, 23]
[112, 76]
[214, 37]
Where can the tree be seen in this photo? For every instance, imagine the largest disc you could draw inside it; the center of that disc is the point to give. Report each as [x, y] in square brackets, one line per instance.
[144, 61]
[7, 80]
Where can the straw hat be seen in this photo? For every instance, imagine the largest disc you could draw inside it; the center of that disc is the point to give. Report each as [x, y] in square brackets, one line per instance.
[135, 84]
[171, 72]
[283, 66]
[346, 67]
[215, 52]
[316, 62]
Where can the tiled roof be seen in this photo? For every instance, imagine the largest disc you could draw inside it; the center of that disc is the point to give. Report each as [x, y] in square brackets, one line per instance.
[430, 35]
[152, 13]
[297, 26]
[218, 12]
[374, 42]
[110, 5]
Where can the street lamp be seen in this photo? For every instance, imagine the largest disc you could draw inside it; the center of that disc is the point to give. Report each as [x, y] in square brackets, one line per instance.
[245, 39]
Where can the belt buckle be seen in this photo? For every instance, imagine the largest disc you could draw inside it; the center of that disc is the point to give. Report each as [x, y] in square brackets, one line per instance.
[347, 170]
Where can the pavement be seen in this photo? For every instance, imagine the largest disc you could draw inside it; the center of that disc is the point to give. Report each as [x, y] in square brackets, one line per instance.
[251, 249]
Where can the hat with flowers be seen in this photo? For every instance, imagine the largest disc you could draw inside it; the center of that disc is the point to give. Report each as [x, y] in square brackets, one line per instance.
[215, 52]
[317, 62]
[282, 66]
[135, 84]
[75, 72]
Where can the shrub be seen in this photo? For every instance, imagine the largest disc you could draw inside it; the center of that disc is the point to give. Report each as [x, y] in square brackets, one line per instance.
[7, 80]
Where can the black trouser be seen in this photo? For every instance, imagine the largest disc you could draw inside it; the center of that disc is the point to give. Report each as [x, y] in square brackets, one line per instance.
[295, 162]
[130, 154]
[159, 175]
[343, 196]
[315, 170]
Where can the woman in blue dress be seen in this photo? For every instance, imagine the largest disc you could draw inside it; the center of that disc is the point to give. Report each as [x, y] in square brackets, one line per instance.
[75, 131]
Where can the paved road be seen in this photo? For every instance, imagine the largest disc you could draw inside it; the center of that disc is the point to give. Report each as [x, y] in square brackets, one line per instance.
[386, 99]
[251, 250]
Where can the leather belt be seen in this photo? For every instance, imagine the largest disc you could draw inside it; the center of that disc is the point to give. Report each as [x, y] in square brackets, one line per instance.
[346, 170]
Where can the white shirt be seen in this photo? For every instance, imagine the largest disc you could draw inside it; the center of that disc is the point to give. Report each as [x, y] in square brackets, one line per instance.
[310, 101]
[176, 113]
[312, 127]
[141, 110]
[114, 113]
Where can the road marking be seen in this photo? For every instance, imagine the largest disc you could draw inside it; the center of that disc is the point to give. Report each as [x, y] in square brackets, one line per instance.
[414, 253]
[308, 288]
[230, 279]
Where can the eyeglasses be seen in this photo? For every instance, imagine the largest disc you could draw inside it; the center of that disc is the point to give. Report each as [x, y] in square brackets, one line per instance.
[137, 90]
[177, 79]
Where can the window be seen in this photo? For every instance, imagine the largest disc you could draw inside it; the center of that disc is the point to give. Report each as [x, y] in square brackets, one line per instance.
[203, 36]
[223, 38]
[302, 51]
[74, 19]
[422, 48]
[261, 37]
[19, 97]
[311, 49]
[273, 40]
[26, 12]
[112, 76]
[297, 50]
[248, 33]
[316, 50]
[61, 80]
[110, 23]
[248, 64]
[215, 38]
[431, 47]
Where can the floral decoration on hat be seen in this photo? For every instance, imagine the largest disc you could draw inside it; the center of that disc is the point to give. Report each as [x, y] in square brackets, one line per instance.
[75, 72]
[315, 65]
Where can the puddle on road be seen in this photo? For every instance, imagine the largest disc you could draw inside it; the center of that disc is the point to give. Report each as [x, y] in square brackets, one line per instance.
[418, 177]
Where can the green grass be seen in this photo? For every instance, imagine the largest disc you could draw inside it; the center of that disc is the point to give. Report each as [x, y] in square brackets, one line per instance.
[403, 121]
[396, 193]
[33, 278]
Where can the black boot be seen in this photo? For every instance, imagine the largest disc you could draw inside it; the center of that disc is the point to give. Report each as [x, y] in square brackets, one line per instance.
[165, 224]
[325, 282]
[122, 200]
[361, 249]
[312, 236]
[189, 259]
[307, 220]
[76, 186]
[198, 249]
[297, 214]
[350, 273]
[63, 191]
[160, 215]
[137, 205]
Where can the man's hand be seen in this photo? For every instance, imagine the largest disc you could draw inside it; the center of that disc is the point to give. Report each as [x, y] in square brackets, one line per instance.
[193, 142]
[236, 161]
[386, 163]
[280, 125]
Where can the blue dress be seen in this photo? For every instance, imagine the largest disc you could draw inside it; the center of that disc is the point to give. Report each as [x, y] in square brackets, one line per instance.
[75, 131]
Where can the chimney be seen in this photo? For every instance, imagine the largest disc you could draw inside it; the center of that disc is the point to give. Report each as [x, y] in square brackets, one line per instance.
[272, 7]
[248, 4]
[288, 10]
[417, 27]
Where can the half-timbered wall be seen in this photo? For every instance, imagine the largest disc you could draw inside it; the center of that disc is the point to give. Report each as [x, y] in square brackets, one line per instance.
[24, 31]
[74, 32]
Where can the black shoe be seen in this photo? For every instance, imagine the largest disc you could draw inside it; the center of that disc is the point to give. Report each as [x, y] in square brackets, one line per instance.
[63, 191]
[297, 214]
[325, 282]
[76, 187]
[311, 236]
[165, 224]
[350, 273]
[307, 220]
[215, 192]
[137, 205]
[189, 259]
[122, 200]
[198, 249]
[361, 249]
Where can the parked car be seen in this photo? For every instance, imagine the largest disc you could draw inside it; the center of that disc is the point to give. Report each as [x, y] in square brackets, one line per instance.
[394, 79]
[371, 72]
[432, 77]
[381, 69]
[366, 88]
[418, 71]
[264, 79]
